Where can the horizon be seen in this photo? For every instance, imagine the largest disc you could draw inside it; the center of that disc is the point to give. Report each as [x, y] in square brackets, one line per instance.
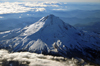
[95, 3]
[73, 1]
[74, 10]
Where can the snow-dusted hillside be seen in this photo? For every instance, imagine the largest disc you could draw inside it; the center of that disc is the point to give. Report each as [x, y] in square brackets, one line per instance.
[50, 35]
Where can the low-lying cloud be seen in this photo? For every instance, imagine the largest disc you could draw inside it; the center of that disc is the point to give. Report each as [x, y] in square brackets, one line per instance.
[33, 59]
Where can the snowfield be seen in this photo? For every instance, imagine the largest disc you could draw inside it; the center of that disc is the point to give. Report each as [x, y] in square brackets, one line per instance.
[33, 59]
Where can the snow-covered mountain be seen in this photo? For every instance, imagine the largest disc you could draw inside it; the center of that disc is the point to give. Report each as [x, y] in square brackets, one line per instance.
[50, 35]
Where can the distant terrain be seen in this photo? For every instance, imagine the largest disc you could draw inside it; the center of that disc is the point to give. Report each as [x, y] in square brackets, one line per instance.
[20, 14]
[92, 26]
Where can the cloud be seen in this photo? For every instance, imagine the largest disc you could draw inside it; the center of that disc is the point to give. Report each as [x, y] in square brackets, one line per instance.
[1, 17]
[33, 59]
[60, 9]
[20, 7]
[17, 7]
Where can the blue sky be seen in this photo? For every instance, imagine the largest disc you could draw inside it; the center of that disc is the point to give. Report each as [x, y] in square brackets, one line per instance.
[58, 0]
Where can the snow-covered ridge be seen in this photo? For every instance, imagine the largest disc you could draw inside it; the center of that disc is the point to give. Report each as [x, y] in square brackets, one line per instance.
[50, 35]
[42, 23]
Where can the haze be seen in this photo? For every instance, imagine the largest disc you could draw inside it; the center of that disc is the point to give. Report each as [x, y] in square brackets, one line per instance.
[56, 0]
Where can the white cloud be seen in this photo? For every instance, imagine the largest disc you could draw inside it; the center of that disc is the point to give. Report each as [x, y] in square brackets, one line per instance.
[1, 17]
[60, 9]
[35, 4]
[20, 17]
[41, 4]
[19, 7]
[37, 59]
[15, 7]
[28, 14]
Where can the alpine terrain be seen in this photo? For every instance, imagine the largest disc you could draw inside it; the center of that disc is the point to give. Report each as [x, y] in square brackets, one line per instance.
[50, 35]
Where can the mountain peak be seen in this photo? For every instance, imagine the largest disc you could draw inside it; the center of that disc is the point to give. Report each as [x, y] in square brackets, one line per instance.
[51, 15]
[52, 19]
[48, 22]
[51, 33]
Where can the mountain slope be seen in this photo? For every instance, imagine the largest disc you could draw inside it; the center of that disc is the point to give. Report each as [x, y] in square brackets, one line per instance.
[50, 35]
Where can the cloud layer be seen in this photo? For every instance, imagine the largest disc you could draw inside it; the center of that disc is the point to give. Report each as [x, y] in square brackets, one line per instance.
[33, 59]
[19, 7]
[46, 7]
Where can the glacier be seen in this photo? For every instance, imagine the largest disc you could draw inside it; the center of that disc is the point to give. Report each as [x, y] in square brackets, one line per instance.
[50, 35]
